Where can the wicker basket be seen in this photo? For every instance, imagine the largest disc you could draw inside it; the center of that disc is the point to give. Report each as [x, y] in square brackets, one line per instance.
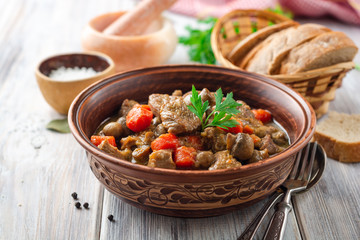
[317, 86]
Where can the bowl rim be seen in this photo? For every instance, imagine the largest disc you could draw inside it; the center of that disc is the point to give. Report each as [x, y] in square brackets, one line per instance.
[165, 22]
[99, 75]
[84, 141]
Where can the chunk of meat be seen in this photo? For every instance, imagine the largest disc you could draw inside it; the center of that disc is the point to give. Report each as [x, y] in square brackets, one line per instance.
[161, 159]
[204, 159]
[206, 95]
[126, 106]
[177, 118]
[268, 143]
[159, 130]
[264, 130]
[114, 151]
[141, 154]
[156, 101]
[241, 145]
[224, 160]
[214, 138]
[156, 121]
[245, 111]
[177, 93]
[128, 142]
[259, 155]
[145, 138]
[280, 138]
[186, 98]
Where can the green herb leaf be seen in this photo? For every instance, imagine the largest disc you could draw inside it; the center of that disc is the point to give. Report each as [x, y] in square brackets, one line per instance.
[59, 125]
[279, 10]
[223, 112]
[228, 105]
[198, 41]
[357, 66]
[198, 107]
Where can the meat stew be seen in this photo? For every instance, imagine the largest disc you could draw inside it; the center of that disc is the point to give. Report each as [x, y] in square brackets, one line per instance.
[171, 131]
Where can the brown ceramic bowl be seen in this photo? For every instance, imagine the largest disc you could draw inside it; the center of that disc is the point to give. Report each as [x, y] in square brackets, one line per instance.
[191, 193]
[59, 93]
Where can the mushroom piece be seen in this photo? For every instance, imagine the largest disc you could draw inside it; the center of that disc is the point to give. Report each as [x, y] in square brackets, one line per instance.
[204, 159]
[113, 129]
[240, 145]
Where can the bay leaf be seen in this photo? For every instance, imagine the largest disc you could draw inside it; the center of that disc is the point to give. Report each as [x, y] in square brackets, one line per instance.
[59, 125]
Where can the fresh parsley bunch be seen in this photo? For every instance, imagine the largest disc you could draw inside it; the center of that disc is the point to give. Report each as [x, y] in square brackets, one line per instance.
[223, 112]
[199, 42]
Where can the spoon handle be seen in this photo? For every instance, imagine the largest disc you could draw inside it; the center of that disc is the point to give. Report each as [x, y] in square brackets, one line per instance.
[276, 228]
[250, 231]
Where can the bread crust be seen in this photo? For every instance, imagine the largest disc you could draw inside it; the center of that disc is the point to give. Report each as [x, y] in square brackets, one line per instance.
[339, 136]
[324, 50]
[251, 41]
[270, 53]
[338, 150]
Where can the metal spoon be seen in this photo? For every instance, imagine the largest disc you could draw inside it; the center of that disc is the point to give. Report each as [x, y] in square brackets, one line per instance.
[317, 171]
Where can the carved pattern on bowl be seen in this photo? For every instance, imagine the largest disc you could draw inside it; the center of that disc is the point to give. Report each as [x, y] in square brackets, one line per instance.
[190, 195]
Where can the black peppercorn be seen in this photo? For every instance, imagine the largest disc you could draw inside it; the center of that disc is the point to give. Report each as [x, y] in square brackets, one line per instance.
[111, 218]
[74, 195]
[78, 205]
[86, 205]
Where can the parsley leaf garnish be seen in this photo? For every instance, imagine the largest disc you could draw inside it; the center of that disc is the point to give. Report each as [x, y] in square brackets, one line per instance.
[223, 112]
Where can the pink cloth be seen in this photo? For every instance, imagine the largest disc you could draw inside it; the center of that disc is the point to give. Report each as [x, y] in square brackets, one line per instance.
[344, 10]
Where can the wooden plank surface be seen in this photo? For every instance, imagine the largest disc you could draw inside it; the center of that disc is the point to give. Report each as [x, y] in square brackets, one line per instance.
[39, 169]
[133, 223]
[332, 209]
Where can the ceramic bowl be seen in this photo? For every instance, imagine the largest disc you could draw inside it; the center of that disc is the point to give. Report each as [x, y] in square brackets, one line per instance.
[58, 93]
[188, 193]
[153, 48]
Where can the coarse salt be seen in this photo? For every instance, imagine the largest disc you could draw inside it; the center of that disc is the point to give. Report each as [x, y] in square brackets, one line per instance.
[68, 74]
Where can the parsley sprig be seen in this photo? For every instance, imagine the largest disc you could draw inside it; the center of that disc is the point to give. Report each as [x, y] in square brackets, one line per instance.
[223, 112]
[198, 41]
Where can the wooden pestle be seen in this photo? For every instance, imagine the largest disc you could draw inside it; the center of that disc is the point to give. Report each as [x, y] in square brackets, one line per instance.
[136, 21]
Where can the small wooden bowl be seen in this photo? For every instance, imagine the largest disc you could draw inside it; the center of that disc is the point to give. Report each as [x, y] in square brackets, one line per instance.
[153, 48]
[60, 94]
[181, 192]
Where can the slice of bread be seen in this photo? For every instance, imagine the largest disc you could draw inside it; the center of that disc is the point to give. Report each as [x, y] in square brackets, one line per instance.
[254, 53]
[339, 134]
[244, 46]
[324, 50]
[292, 39]
[274, 49]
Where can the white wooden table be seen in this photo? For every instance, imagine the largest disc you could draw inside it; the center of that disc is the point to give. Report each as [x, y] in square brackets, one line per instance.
[39, 169]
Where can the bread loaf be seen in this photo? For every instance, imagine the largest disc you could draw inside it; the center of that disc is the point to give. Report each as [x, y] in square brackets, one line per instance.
[273, 50]
[324, 50]
[339, 134]
[244, 46]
